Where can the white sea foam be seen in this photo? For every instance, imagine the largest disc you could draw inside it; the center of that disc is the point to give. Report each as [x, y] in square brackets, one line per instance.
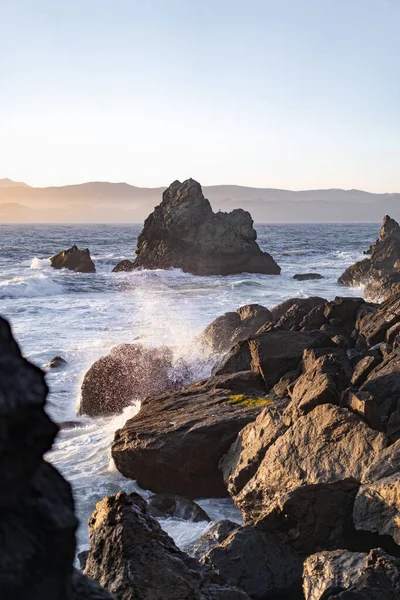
[29, 287]
[40, 263]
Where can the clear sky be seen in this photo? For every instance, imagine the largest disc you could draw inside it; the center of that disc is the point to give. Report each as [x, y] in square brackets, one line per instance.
[274, 93]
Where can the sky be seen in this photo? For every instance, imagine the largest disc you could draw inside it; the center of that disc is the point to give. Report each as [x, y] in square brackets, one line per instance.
[294, 94]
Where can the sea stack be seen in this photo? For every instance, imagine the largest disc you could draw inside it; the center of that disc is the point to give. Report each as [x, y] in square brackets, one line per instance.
[183, 232]
[74, 259]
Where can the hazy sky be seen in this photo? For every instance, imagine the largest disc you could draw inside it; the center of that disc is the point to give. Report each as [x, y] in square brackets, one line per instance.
[273, 93]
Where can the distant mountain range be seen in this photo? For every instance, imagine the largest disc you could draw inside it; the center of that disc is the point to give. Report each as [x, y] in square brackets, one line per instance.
[98, 202]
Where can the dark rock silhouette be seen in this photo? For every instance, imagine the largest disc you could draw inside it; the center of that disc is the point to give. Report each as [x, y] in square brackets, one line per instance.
[74, 260]
[307, 276]
[170, 505]
[183, 232]
[217, 533]
[37, 524]
[123, 266]
[56, 363]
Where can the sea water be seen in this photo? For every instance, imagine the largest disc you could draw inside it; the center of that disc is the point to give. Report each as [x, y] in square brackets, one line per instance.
[82, 316]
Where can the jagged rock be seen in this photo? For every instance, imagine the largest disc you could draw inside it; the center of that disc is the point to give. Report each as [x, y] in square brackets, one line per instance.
[377, 507]
[343, 447]
[387, 463]
[295, 313]
[344, 575]
[374, 326]
[82, 558]
[281, 389]
[247, 451]
[258, 562]
[146, 563]
[129, 372]
[56, 363]
[314, 319]
[364, 405]
[217, 533]
[363, 368]
[233, 327]
[169, 505]
[37, 524]
[307, 276]
[236, 360]
[342, 312]
[74, 260]
[174, 444]
[183, 232]
[123, 266]
[388, 226]
[307, 303]
[383, 383]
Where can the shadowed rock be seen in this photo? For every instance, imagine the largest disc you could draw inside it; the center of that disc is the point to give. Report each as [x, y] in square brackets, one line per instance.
[74, 260]
[217, 533]
[307, 276]
[123, 266]
[183, 232]
[169, 505]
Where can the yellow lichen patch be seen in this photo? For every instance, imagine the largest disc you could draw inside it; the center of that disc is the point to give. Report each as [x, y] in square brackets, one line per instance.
[249, 401]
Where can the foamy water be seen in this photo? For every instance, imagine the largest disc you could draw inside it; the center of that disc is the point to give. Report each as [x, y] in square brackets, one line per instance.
[82, 316]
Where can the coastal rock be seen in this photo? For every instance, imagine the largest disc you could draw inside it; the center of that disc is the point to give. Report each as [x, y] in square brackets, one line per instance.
[377, 507]
[295, 313]
[258, 562]
[146, 563]
[129, 372]
[348, 575]
[74, 260]
[343, 447]
[386, 464]
[56, 363]
[183, 232]
[342, 312]
[169, 505]
[374, 326]
[37, 524]
[307, 276]
[123, 266]
[363, 368]
[364, 405]
[217, 533]
[174, 444]
[307, 303]
[233, 327]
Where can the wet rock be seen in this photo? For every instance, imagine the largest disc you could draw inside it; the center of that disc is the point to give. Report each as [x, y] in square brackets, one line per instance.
[146, 563]
[217, 533]
[74, 260]
[343, 447]
[123, 266]
[183, 232]
[351, 575]
[37, 524]
[307, 276]
[233, 327]
[169, 505]
[174, 444]
[129, 372]
[377, 507]
[56, 363]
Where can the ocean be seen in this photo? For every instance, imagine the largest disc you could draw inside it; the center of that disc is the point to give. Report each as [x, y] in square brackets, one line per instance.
[82, 316]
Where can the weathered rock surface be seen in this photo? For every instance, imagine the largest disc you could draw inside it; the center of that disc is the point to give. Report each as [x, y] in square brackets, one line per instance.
[328, 444]
[129, 372]
[344, 575]
[363, 368]
[377, 507]
[183, 232]
[233, 327]
[217, 533]
[132, 557]
[74, 260]
[169, 505]
[307, 276]
[37, 524]
[123, 266]
[258, 562]
[374, 326]
[364, 405]
[307, 303]
[297, 309]
[174, 444]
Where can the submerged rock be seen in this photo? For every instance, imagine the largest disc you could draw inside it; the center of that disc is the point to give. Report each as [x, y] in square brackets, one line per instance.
[183, 232]
[129, 372]
[74, 259]
[56, 363]
[170, 505]
[307, 276]
[174, 444]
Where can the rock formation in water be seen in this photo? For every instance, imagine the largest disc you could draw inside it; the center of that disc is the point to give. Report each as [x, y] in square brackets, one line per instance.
[74, 260]
[380, 274]
[307, 276]
[183, 232]
[123, 266]
[37, 523]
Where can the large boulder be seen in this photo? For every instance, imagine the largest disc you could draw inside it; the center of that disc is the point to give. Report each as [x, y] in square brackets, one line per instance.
[129, 372]
[37, 522]
[132, 557]
[328, 444]
[175, 442]
[183, 232]
[74, 259]
[344, 575]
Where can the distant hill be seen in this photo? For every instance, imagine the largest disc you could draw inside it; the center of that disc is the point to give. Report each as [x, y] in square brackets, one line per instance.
[121, 202]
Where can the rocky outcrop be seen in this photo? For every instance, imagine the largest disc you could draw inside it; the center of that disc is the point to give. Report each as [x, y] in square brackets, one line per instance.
[37, 524]
[380, 274]
[377, 507]
[145, 563]
[307, 276]
[232, 327]
[169, 505]
[351, 575]
[74, 260]
[183, 232]
[130, 372]
[174, 444]
[375, 325]
[217, 533]
[123, 266]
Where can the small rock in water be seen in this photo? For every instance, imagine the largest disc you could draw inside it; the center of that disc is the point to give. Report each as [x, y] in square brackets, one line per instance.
[169, 505]
[56, 362]
[123, 265]
[307, 276]
[74, 260]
